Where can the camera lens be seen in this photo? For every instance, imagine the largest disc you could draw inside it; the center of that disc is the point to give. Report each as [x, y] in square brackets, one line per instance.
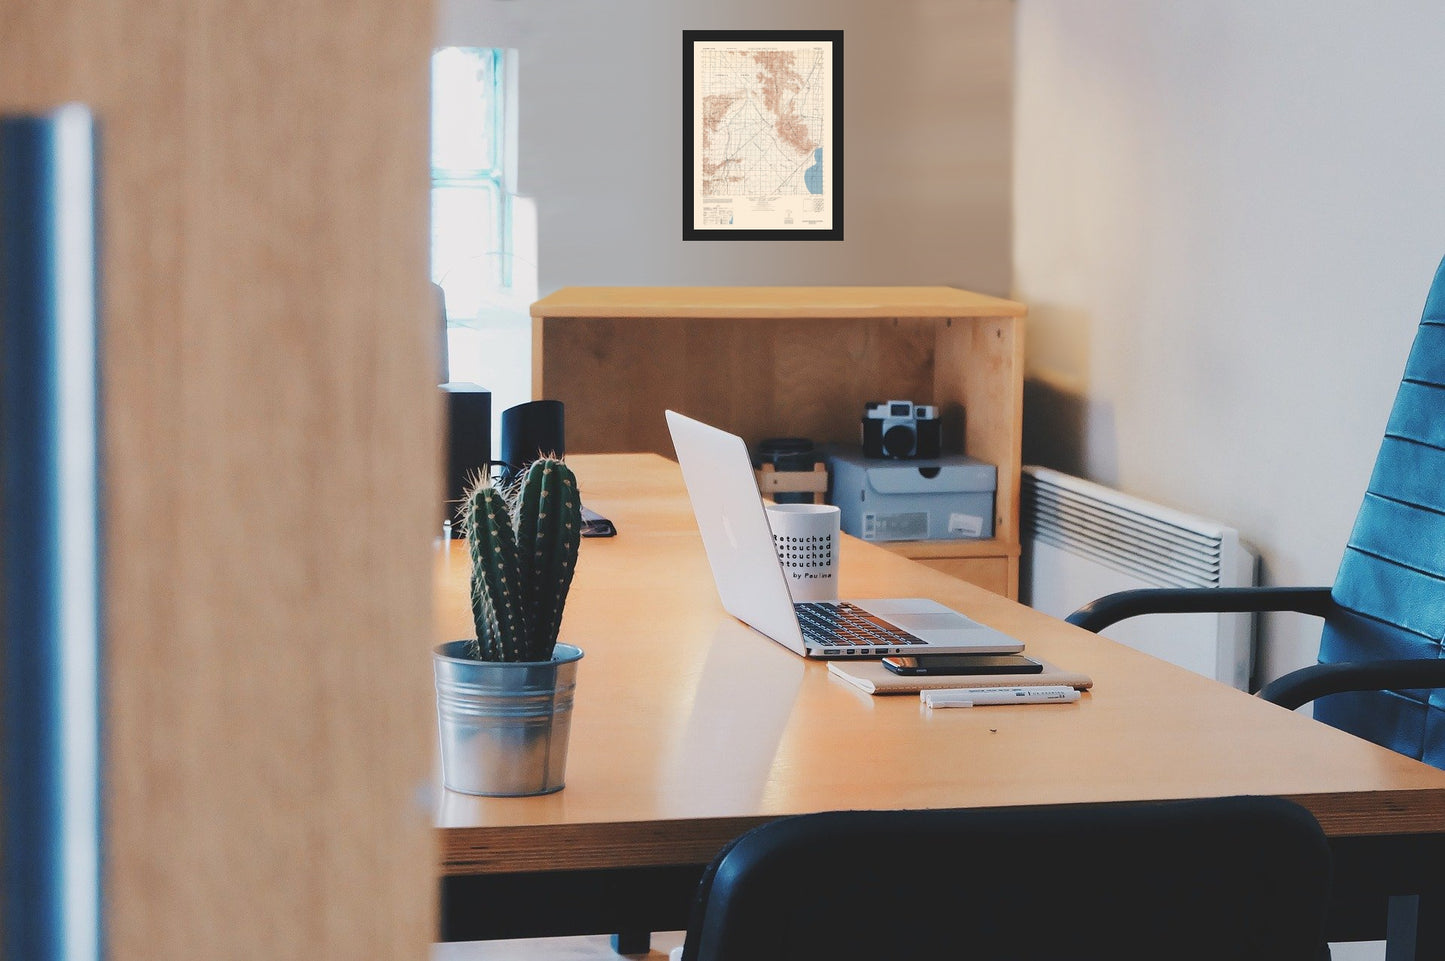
[899, 440]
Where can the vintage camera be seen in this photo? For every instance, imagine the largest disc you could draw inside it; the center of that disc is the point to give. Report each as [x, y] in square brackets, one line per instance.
[901, 429]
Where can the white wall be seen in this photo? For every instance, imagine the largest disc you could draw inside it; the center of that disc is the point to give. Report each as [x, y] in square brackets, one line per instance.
[926, 138]
[1227, 216]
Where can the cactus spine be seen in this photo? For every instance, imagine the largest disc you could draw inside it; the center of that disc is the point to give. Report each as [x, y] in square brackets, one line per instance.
[523, 546]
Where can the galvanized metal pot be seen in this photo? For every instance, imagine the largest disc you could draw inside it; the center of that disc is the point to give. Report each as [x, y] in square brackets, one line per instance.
[504, 726]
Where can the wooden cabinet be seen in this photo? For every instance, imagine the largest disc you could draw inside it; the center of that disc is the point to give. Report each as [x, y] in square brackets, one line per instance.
[798, 361]
[978, 562]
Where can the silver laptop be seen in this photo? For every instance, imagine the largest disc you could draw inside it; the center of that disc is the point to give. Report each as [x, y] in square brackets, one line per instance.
[754, 588]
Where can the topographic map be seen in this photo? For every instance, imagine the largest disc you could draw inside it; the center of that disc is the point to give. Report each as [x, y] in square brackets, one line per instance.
[764, 121]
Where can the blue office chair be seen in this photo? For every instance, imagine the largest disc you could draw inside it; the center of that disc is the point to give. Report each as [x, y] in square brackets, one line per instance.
[1240, 878]
[1382, 666]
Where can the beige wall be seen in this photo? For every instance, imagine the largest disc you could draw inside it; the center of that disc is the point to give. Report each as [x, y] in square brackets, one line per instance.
[927, 141]
[1227, 216]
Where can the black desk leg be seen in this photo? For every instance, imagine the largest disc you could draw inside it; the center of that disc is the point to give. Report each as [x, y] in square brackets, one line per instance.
[1416, 928]
[632, 942]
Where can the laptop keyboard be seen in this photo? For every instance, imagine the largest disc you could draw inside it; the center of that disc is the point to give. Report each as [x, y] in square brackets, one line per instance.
[850, 629]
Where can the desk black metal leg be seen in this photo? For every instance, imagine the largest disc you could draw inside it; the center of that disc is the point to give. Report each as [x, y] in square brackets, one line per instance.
[1416, 928]
[632, 942]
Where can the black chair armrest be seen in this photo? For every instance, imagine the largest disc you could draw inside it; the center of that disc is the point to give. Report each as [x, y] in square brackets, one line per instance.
[1099, 614]
[1304, 685]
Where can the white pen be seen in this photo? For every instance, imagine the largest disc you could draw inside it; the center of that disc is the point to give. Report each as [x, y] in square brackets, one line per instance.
[982, 696]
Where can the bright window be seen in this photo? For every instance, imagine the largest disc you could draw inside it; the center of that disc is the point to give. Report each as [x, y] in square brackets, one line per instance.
[483, 234]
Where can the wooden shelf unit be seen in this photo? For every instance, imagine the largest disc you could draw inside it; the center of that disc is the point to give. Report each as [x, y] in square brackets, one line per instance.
[795, 361]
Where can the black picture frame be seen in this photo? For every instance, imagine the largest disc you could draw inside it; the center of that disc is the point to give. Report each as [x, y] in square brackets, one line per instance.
[767, 211]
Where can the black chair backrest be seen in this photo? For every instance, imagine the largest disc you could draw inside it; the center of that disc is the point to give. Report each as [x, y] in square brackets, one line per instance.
[1390, 589]
[1237, 878]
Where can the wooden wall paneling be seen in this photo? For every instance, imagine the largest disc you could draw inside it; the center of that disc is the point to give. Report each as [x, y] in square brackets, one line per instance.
[271, 442]
[827, 369]
[723, 371]
[609, 366]
[757, 377]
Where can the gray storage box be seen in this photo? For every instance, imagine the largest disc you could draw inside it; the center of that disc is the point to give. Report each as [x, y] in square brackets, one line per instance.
[947, 498]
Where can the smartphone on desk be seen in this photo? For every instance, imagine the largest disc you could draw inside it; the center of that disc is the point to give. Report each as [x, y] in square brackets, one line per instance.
[595, 525]
[936, 664]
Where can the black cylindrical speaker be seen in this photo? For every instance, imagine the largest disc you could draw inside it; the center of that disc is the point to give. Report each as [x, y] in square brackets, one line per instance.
[469, 442]
[530, 431]
[788, 454]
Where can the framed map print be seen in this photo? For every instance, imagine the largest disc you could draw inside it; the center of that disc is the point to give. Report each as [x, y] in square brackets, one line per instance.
[762, 135]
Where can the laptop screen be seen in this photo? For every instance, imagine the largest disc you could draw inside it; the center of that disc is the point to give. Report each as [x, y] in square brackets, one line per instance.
[734, 527]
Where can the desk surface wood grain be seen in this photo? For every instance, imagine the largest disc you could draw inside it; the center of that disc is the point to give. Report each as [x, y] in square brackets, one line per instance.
[689, 727]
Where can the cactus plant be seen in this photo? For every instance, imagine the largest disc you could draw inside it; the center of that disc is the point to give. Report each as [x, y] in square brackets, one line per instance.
[523, 544]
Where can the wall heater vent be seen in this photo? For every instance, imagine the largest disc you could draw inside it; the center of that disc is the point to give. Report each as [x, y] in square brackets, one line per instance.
[1082, 540]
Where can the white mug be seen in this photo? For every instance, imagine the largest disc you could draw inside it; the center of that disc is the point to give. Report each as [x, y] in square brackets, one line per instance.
[806, 538]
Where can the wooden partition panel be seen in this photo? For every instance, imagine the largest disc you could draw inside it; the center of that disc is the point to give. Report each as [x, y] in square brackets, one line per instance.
[271, 446]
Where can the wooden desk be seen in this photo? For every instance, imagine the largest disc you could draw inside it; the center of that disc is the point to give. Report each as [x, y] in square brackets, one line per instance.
[690, 728]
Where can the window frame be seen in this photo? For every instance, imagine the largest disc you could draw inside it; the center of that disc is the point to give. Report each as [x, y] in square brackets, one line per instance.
[492, 177]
